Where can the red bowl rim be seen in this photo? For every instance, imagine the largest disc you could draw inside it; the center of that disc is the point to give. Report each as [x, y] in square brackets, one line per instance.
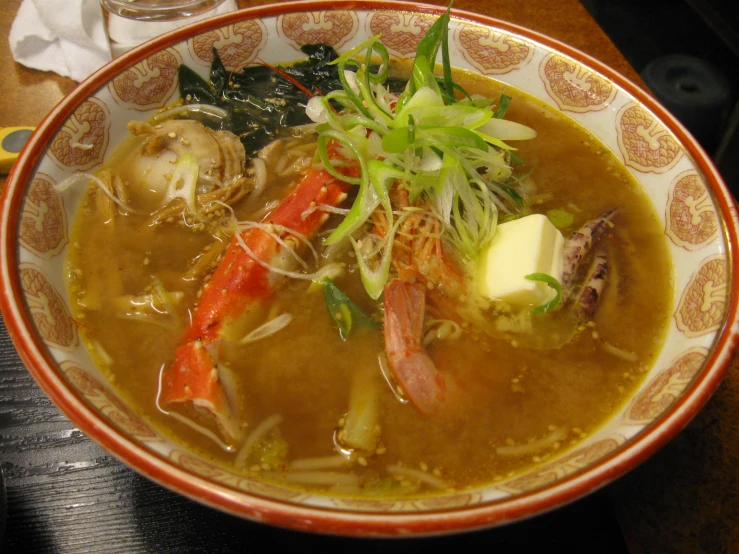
[325, 520]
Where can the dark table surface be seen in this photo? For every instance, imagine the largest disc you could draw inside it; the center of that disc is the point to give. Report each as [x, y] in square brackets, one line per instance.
[65, 494]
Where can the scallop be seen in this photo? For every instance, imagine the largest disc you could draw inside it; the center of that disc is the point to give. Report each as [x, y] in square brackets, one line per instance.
[148, 169]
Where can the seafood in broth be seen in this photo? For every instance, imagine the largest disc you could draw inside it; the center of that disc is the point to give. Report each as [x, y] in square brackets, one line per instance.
[415, 285]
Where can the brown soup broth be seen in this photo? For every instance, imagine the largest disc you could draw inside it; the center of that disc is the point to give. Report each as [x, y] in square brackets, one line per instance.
[512, 395]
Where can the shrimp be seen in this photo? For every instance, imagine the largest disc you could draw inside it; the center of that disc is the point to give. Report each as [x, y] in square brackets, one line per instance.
[239, 285]
[412, 367]
[424, 271]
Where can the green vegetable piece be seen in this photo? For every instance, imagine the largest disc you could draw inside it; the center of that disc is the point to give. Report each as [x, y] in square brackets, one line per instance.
[426, 52]
[398, 140]
[446, 62]
[422, 73]
[517, 198]
[502, 106]
[552, 282]
[345, 313]
[561, 219]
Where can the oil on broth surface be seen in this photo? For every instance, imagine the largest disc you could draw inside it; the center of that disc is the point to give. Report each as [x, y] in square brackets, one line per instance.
[511, 395]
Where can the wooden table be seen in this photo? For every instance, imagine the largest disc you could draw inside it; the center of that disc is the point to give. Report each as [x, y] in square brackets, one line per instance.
[64, 494]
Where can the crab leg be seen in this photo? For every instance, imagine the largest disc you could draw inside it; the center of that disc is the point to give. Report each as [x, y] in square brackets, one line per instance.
[405, 309]
[579, 243]
[588, 301]
[238, 285]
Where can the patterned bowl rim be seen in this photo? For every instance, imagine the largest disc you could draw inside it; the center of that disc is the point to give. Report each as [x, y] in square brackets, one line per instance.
[46, 371]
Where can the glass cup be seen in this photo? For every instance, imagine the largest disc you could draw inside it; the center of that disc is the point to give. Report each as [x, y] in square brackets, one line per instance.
[129, 23]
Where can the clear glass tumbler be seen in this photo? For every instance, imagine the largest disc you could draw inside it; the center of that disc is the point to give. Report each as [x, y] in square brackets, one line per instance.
[129, 23]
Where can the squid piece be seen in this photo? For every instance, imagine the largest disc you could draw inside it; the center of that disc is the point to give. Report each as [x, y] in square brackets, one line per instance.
[578, 246]
[591, 292]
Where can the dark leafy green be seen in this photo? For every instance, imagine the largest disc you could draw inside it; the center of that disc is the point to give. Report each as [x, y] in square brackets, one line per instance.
[193, 88]
[262, 101]
[345, 313]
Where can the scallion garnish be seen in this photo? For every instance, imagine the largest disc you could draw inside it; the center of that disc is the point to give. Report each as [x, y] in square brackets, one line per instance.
[448, 153]
[552, 282]
[345, 313]
[561, 219]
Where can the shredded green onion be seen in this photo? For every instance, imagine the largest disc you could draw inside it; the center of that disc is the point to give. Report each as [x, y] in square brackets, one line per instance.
[562, 219]
[503, 104]
[552, 282]
[448, 152]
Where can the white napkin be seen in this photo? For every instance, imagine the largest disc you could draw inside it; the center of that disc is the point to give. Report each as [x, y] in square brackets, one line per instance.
[64, 36]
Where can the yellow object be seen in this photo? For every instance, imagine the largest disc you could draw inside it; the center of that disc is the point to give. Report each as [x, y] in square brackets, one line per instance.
[520, 247]
[12, 140]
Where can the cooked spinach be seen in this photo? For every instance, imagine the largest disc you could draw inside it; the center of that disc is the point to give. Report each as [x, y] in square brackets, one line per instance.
[261, 101]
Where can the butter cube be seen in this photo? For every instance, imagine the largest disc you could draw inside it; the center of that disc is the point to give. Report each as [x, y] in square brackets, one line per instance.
[527, 245]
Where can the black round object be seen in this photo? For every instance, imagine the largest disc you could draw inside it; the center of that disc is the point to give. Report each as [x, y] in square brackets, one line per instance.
[15, 141]
[694, 91]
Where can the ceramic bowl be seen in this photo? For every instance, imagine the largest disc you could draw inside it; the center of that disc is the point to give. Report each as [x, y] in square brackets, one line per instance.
[695, 207]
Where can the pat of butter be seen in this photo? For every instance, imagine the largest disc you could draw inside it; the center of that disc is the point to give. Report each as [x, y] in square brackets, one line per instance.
[520, 247]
